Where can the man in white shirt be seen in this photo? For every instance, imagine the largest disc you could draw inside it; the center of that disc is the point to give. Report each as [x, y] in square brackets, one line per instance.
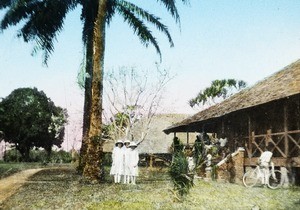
[265, 163]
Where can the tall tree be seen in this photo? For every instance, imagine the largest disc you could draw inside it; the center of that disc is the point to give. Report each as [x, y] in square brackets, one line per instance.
[42, 20]
[29, 119]
[217, 91]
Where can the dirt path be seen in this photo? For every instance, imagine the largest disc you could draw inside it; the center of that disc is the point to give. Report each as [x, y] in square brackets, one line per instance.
[9, 185]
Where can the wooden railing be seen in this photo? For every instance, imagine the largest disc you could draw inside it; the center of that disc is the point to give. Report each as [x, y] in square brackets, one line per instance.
[284, 145]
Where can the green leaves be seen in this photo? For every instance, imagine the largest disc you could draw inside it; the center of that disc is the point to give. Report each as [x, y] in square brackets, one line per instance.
[178, 171]
[28, 118]
[41, 21]
[218, 89]
[180, 177]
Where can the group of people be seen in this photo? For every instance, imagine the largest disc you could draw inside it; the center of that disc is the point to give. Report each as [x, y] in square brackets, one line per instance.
[125, 158]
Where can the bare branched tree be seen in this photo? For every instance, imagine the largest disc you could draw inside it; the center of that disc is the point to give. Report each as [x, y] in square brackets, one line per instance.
[131, 99]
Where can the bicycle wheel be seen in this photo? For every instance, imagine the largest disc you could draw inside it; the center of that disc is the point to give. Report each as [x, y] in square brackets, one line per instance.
[275, 180]
[250, 178]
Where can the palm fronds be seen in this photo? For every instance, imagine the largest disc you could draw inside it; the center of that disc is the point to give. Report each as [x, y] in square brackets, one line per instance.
[179, 172]
[182, 180]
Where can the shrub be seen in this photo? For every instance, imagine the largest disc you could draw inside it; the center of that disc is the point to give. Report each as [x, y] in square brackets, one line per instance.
[12, 155]
[180, 176]
[61, 156]
[38, 155]
[107, 160]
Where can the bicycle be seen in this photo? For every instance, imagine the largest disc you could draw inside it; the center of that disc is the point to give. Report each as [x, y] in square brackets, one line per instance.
[251, 177]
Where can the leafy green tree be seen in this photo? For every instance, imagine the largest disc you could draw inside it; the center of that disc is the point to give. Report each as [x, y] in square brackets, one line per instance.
[41, 21]
[219, 89]
[29, 119]
[116, 127]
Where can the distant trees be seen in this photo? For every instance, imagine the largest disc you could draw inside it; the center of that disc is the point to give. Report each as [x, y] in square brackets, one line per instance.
[219, 90]
[28, 118]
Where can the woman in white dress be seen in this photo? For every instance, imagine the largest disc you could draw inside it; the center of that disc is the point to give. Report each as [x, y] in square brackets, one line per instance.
[117, 168]
[126, 161]
[133, 159]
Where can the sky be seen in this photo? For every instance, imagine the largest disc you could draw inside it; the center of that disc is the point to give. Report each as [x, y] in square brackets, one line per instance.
[216, 39]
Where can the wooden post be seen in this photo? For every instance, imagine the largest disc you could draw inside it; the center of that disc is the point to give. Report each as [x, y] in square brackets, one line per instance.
[249, 148]
[286, 140]
[251, 140]
[223, 129]
[187, 138]
[151, 161]
[268, 137]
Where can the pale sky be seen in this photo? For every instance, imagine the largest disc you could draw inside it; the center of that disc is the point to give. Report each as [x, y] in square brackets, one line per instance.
[218, 39]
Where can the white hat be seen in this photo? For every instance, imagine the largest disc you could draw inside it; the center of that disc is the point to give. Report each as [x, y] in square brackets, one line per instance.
[132, 144]
[119, 142]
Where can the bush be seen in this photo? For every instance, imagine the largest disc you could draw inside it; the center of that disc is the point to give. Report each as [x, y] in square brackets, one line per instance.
[37, 155]
[12, 155]
[179, 174]
[61, 157]
[107, 160]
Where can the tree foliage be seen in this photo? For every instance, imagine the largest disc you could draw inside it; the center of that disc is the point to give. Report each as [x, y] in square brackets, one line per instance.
[29, 119]
[179, 173]
[219, 89]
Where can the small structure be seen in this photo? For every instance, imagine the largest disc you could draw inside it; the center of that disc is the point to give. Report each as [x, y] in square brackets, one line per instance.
[266, 114]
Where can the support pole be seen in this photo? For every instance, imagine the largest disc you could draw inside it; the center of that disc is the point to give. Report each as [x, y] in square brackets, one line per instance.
[285, 123]
[187, 138]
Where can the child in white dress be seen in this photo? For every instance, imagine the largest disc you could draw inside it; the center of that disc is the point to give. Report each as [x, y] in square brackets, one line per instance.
[117, 168]
[133, 159]
[126, 161]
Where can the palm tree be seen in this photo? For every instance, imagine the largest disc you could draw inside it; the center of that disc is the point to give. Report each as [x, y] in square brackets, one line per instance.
[42, 20]
[219, 89]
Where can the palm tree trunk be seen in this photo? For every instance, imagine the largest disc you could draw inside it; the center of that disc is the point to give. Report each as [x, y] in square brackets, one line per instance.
[87, 103]
[92, 170]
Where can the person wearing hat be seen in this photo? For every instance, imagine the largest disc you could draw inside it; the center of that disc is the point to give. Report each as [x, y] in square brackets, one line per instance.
[133, 161]
[126, 161]
[117, 168]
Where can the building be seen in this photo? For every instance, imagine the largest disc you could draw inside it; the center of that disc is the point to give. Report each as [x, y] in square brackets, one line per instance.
[266, 114]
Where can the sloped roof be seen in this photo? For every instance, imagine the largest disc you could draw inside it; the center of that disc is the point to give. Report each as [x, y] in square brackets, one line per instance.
[282, 84]
[156, 141]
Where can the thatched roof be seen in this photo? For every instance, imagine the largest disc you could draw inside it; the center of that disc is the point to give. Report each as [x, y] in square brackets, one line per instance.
[280, 85]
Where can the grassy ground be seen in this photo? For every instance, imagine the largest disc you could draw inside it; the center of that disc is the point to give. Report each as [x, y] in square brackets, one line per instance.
[61, 188]
[7, 169]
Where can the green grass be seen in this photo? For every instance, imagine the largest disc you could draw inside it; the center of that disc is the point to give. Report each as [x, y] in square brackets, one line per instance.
[62, 188]
[7, 169]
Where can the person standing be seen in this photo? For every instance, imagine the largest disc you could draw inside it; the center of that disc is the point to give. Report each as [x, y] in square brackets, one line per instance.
[133, 159]
[126, 161]
[265, 163]
[117, 168]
